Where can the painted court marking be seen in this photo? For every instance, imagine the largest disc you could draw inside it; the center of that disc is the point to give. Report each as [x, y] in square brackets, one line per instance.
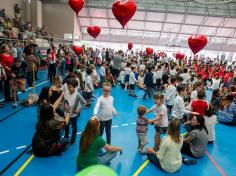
[20, 147]
[141, 168]
[24, 165]
[5, 151]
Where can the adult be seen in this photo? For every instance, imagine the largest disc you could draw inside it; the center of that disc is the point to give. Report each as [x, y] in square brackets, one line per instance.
[168, 157]
[117, 59]
[51, 56]
[91, 143]
[196, 142]
[47, 140]
[227, 114]
[7, 61]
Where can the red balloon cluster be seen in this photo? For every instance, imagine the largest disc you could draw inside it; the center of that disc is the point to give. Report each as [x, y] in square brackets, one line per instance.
[77, 49]
[179, 56]
[124, 11]
[149, 51]
[197, 43]
[76, 5]
[130, 46]
[94, 31]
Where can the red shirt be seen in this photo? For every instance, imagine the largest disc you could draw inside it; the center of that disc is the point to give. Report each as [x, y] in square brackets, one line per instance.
[7, 61]
[199, 106]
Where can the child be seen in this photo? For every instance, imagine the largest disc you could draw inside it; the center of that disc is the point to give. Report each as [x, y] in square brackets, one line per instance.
[75, 103]
[142, 128]
[215, 101]
[210, 121]
[160, 120]
[179, 109]
[198, 86]
[88, 86]
[148, 82]
[104, 109]
[200, 105]
[140, 80]
[18, 79]
[127, 73]
[168, 157]
[132, 82]
[171, 94]
[102, 72]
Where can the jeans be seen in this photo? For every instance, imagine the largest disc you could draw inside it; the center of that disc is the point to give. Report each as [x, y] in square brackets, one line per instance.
[106, 124]
[106, 157]
[149, 92]
[154, 160]
[73, 122]
[7, 93]
[53, 68]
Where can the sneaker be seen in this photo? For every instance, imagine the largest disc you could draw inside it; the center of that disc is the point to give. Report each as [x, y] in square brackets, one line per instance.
[14, 105]
[189, 161]
[143, 152]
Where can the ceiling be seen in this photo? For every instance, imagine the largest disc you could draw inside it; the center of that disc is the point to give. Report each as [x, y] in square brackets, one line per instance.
[158, 27]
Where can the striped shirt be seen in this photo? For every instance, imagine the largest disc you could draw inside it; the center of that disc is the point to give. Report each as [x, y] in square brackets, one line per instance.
[142, 124]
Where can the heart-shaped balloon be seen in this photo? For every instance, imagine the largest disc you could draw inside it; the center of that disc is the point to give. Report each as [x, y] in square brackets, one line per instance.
[130, 46]
[197, 43]
[162, 54]
[124, 11]
[94, 31]
[77, 49]
[149, 51]
[179, 56]
[76, 5]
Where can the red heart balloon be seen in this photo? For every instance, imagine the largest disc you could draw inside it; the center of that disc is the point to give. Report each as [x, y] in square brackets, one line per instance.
[76, 5]
[130, 46]
[124, 11]
[94, 31]
[161, 54]
[77, 49]
[149, 51]
[197, 43]
[179, 56]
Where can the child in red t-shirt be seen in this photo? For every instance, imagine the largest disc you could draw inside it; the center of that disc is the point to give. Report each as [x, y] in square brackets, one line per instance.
[200, 105]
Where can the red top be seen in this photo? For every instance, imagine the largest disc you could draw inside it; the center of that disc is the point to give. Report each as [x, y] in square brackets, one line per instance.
[199, 106]
[7, 62]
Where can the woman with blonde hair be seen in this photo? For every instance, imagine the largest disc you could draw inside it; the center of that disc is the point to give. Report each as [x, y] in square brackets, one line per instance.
[91, 143]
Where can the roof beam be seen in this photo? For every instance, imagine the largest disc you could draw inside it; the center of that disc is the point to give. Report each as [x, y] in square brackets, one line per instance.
[152, 21]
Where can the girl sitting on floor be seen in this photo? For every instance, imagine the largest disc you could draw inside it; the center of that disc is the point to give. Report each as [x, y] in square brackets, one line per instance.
[168, 157]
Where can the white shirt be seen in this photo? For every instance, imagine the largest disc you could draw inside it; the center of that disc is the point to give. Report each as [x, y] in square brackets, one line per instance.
[122, 76]
[173, 72]
[132, 79]
[215, 84]
[142, 67]
[70, 98]
[127, 70]
[83, 75]
[193, 95]
[161, 111]
[186, 77]
[210, 125]
[140, 79]
[104, 108]
[102, 71]
[89, 81]
[178, 109]
[170, 95]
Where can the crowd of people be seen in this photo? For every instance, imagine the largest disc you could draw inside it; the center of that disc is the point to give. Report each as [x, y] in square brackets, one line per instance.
[177, 89]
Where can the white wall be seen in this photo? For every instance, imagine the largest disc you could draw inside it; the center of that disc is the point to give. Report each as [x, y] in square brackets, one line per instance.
[8, 5]
[59, 18]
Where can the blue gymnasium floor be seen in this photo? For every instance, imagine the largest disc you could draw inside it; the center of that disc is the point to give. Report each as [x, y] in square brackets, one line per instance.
[17, 131]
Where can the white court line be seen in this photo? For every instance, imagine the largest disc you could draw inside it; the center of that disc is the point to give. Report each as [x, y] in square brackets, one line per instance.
[6, 151]
[115, 126]
[134, 123]
[29, 88]
[20, 147]
[79, 133]
[125, 124]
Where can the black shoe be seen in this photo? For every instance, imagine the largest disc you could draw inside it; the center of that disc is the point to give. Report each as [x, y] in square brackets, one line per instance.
[189, 161]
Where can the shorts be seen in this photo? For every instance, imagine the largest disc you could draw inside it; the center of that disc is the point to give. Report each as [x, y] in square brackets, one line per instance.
[115, 72]
[126, 79]
[18, 83]
[87, 95]
[160, 129]
[142, 138]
